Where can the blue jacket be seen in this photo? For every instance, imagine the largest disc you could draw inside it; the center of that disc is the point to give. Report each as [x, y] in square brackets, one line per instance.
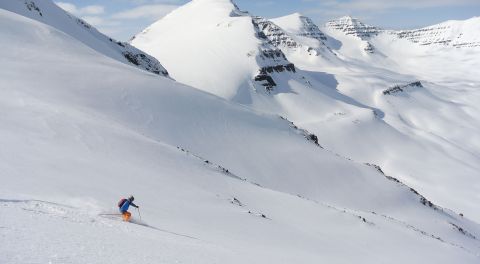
[126, 205]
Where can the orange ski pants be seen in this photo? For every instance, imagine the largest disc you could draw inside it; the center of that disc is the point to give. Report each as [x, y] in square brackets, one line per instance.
[126, 216]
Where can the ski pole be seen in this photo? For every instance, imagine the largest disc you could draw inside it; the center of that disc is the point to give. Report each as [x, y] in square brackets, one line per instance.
[138, 210]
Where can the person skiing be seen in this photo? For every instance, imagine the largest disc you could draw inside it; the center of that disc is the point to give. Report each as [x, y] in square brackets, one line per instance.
[123, 206]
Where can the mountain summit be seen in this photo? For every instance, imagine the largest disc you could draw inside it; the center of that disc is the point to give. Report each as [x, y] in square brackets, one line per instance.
[354, 27]
[301, 31]
[214, 46]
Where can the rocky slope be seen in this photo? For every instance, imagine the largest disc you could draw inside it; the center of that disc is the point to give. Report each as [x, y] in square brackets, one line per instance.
[353, 27]
[271, 59]
[350, 26]
[294, 32]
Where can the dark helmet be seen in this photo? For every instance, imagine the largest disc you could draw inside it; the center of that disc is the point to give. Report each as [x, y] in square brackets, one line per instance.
[131, 198]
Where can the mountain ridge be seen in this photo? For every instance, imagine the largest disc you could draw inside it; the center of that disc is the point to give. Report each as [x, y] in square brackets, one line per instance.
[47, 12]
[454, 33]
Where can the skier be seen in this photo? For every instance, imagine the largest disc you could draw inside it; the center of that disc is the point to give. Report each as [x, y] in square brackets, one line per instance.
[123, 207]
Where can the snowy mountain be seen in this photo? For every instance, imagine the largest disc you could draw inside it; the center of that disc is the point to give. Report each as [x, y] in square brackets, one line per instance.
[47, 12]
[350, 26]
[458, 34]
[307, 38]
[338, 96]
[261, 66]
[354, 27]
[389, 80]
[216, 181]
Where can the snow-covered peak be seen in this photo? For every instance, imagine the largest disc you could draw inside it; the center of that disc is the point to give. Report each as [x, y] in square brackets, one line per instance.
[289, 22]
[276, 35]
[45, 11]
[353, 26]
[225, 3]
[211, 8]
[300, 25]
[454, 33]
[212, 45]
[296, 32]
[215, 2]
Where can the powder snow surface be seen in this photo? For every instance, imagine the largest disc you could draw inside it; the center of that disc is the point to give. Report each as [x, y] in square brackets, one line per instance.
[216, 181]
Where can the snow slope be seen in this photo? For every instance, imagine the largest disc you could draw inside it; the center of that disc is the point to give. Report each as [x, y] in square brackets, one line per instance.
[47, 12]
[439, 113]
[337, 90]
[73, 145]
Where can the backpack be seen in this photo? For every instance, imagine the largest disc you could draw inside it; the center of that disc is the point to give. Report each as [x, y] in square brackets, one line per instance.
[121, 202]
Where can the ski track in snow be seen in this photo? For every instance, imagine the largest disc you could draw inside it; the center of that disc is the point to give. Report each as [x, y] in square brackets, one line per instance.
[39, 211]
[86, 238]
